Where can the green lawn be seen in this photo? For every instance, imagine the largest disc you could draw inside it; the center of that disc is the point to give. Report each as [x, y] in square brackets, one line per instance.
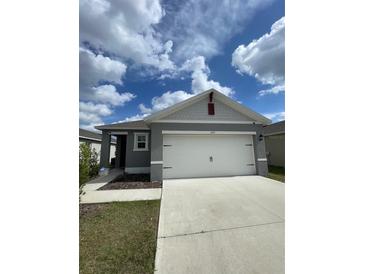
[277, 173]
[118, 237]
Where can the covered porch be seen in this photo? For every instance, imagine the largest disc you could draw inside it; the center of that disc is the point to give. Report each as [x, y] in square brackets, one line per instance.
[124, 134]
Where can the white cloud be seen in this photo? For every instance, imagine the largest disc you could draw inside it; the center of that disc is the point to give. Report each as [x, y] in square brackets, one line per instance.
[96, 67]
[200, 82]
[98, 109]
[145, 35]
[127, 29]
[276, 116]
[273, 90]
[108, 94]
[165, 100]
[264, 58]
[201, 27]
[133, 118]
[87, 118]
[200, 73]
[91, 114]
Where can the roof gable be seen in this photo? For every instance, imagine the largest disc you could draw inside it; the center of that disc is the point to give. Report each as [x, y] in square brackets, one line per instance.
[195, 108]
[199, 111]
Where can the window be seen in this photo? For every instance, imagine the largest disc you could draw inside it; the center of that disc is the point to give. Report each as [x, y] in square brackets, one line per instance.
[140, 142]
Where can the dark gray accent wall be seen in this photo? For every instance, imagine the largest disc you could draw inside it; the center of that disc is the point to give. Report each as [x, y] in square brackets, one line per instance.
[157, 139]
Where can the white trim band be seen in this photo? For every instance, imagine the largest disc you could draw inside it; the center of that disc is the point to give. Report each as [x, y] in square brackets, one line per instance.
[189, 132]
[92, 139]
[261, 159]
[156, 162]
[207, 122]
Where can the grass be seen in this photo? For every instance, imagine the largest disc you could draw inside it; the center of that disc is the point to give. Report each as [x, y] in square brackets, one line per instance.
[277, 173]
[118, 237]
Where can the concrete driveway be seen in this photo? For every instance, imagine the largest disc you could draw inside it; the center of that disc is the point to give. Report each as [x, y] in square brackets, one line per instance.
[221, 225]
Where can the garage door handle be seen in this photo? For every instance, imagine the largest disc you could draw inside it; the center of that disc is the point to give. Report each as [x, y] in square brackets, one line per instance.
[166, 167]
[249, 145]
[167, 145]
[250, 164]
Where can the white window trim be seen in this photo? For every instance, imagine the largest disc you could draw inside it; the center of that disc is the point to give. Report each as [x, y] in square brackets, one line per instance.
[135, 146]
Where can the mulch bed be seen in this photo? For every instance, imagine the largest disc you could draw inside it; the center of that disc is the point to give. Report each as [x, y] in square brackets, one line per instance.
[131, 181]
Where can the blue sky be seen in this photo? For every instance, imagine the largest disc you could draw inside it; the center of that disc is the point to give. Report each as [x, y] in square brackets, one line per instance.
[137, 57]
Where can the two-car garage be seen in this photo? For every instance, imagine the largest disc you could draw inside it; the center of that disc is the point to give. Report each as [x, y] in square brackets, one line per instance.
[208, 154]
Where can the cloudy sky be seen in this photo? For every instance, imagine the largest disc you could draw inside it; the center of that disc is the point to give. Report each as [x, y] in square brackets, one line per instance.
[140, 56]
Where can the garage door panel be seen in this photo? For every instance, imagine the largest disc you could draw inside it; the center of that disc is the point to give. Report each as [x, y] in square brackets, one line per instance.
[188, 156]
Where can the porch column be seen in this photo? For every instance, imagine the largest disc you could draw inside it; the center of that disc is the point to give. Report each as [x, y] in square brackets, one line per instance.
[156, 152]
[261, 160]
[117, 151]
[105, 149]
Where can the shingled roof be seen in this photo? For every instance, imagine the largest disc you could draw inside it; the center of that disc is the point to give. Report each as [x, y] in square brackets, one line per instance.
[90, 135]
[134, 125]
[276, 128]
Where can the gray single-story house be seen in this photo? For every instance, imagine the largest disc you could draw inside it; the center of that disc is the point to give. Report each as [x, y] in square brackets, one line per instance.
[93, 139]
[275, 143]
[207, 135]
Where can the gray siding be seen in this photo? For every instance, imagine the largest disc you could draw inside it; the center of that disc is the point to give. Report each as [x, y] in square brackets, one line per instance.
[137, 158]
[157, 138]
[275, 149]
[199, 111]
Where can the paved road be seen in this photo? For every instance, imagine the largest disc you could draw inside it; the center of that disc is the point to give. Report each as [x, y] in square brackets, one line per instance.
[221, 225]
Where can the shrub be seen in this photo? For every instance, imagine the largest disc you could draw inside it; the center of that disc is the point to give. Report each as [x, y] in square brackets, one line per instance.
[94, 163]
[88, 163]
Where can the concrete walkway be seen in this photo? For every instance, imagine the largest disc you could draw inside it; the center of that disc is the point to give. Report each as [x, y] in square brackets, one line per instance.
[221, 225]
[90, 193]
[124, 195]
[103, 180]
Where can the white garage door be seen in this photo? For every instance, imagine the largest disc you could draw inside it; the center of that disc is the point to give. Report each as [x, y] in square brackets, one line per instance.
[189, 156]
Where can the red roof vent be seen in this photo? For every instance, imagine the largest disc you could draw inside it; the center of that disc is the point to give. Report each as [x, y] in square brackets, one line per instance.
[210, 104]
[211, 108]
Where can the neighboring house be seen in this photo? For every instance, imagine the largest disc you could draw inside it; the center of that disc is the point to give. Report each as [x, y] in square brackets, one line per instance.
[208, 135]
[94, 139]
[275, 143]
